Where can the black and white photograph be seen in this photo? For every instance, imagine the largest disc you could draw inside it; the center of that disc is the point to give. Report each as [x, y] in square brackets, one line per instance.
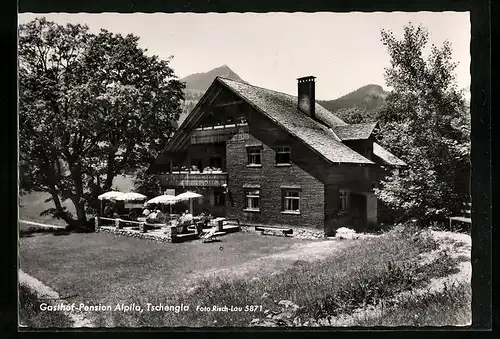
[244, 170]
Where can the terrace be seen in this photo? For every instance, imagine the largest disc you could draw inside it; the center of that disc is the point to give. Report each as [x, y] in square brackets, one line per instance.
[169, 230]
[194, 179]
[217, 134]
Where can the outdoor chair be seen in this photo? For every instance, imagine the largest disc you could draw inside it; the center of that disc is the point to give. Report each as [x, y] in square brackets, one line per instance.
[211, 235]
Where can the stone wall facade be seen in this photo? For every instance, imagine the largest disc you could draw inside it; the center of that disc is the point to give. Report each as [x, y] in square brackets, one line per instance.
[271, 180]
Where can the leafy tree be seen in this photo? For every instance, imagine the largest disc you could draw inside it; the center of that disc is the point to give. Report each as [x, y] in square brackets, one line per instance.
[147, 184]
[355, 115]
[92, 106]
[425, 121]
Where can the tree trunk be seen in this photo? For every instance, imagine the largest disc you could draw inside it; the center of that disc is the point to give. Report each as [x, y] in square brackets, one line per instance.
[78, 200]
[80, 213]
[60, 213]
[110, 171]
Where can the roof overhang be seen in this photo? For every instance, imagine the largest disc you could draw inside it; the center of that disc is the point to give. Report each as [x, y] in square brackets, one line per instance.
[387, 157]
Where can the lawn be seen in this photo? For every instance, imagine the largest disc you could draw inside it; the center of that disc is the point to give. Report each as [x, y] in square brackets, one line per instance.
[320, 278]
[108, 269]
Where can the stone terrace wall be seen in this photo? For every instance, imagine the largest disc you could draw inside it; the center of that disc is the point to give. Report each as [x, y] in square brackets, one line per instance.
[135, 234]
[301, 233]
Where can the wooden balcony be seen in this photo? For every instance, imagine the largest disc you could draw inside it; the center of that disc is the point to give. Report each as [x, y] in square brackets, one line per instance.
[193, 179]
[217, 134]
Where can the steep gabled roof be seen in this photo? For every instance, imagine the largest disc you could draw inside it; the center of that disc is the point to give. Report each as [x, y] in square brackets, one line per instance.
[323, 135]
[386, 156]
[354, 131]
[282, 109]
[280, 103]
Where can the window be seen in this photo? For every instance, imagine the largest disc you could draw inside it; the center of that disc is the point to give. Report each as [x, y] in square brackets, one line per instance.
[219, 198]
[283, 155]
[291, 201]
[252, 199]
[343, 200]
[253, 156]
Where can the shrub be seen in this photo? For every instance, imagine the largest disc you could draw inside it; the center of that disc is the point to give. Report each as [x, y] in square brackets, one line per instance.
[449, 307]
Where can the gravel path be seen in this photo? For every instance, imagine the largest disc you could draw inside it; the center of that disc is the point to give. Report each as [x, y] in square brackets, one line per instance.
[273, 263]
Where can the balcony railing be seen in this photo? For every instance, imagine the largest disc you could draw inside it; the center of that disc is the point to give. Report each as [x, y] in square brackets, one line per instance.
[216, 134]
[185, 179]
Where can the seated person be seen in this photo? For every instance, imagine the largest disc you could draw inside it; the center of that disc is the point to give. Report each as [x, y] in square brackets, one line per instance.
[133, 215]
[108, 212]
[152, 217]
[181, 219]
[188, 215]
[205, 217]
[186, 218]
[146, 212]
[160, 216]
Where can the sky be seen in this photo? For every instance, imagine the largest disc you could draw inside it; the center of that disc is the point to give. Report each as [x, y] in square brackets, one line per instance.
[272, 50]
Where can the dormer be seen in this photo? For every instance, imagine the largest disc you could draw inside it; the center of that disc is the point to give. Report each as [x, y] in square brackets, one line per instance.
[358, 137]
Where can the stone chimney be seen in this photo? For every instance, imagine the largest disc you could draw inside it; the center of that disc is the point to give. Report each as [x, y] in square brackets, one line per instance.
[306, 94]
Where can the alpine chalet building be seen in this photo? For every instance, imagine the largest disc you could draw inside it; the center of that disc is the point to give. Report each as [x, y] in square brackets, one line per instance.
[269, 158]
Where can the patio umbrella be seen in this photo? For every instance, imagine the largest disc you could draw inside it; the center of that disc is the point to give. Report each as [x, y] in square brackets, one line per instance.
[131, 196]
[162, 199]
[111, 195]
[189, 196]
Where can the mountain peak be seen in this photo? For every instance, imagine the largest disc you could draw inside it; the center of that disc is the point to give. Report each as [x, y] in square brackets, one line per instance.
[377, 88]
[223, 67]
[201, 81]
